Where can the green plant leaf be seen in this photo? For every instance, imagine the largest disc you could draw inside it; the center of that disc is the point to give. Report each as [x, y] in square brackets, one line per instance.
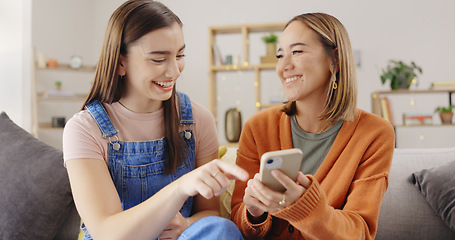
[400, 73]
[271, 38]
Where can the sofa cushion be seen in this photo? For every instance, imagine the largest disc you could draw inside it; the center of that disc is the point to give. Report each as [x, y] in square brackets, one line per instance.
[35, 192]
[404, 213]
[229, 154]
[438, 187]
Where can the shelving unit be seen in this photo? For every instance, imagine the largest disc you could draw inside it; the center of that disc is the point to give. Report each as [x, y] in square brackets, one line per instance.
[423, 136]
[74, 81]
[244, 64]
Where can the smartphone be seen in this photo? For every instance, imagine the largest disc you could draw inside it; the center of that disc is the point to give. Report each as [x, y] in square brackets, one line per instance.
[288, 161]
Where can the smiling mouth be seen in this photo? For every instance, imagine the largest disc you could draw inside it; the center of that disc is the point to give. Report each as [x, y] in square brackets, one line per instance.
[165, 84]
[291, 79]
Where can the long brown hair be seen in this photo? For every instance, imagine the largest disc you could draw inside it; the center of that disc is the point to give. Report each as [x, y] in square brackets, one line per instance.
[132, 20]
[341, 102]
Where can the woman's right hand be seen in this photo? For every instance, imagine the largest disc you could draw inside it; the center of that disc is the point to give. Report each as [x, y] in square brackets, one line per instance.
[260, 199]
[210, 179]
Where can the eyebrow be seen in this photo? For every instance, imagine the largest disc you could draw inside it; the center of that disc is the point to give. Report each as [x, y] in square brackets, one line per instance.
[293, 45]
[167, 52]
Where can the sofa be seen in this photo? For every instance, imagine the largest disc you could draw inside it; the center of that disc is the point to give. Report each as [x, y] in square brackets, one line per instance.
[36, 200]
[35, 195]
[405, 212]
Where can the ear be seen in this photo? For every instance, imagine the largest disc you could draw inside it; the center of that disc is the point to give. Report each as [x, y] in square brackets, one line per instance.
[121, 68]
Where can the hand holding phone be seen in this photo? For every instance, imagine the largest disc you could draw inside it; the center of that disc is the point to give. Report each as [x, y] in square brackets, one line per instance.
[288, 161]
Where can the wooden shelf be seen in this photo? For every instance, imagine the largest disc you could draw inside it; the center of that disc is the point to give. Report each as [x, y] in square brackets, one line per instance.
[417, 91]
[48, 126]
[45, 106]
[252, 28]
[78, 97]
[416, 135]
[375, 95]
[245, 31]
[66, 67]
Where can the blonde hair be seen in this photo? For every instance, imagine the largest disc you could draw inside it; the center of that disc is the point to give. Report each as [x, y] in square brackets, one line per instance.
[341, 102]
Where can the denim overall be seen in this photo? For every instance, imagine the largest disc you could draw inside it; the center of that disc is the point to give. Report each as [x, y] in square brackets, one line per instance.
[137, 168]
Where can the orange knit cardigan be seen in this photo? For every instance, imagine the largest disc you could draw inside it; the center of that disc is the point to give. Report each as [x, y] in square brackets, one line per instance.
[345, 195]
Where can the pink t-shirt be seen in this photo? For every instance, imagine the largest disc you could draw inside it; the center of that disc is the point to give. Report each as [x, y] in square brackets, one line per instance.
[82, 137]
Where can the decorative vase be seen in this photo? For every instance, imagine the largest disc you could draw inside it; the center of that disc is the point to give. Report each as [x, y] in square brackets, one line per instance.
[233, 124]
[446, 118]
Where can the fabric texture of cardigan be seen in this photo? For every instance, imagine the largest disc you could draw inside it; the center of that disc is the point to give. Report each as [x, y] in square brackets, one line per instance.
[345, 195]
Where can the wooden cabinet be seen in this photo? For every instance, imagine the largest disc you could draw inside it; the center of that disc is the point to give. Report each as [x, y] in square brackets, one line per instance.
[243, 62]
[417, 102]
[51, 100]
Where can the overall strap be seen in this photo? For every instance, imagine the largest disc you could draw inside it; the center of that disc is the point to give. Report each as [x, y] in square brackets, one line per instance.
[101, 117]
[186, 113]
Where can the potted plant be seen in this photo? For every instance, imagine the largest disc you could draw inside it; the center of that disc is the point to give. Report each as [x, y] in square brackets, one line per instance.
[400, 74]
[58, 85]
[270, 42]
[445, 113]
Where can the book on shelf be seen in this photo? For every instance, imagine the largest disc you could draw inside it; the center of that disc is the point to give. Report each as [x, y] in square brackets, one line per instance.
[217, 57]
[443, 85]
[385, 110]
[417, 119]
[376, 105]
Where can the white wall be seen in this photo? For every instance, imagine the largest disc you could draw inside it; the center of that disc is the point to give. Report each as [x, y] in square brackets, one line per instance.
[15, 53]
[418, 30]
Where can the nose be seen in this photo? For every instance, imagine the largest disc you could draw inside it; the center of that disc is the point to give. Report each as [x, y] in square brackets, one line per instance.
[285, 64]
[172, 69]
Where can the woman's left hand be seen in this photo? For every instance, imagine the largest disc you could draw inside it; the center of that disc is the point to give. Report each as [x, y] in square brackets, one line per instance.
[271, 201]
[175, 227]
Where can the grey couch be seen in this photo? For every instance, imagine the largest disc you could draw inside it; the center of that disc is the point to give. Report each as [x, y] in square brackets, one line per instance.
[405, 212]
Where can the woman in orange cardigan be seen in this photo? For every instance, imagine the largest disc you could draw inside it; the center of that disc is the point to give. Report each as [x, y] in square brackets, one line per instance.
[347, 151]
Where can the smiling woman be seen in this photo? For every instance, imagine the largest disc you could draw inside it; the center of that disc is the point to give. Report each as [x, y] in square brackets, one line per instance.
[139, 154]
[346, 151]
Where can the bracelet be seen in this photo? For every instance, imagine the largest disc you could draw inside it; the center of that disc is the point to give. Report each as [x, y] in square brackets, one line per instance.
[188, 221]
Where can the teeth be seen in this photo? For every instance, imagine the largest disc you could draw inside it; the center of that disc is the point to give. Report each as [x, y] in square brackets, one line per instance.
[165, 84]
[288, 80]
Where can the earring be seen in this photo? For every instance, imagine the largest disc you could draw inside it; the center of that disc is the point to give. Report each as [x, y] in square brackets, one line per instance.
[334, 81]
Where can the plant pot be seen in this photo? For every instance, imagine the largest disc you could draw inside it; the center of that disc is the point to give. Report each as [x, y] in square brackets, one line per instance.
[271, 49]
[401, 82]
[446, 118]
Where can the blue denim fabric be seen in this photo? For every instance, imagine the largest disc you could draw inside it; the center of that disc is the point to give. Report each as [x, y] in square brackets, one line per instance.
[137, 168]
[212, 228]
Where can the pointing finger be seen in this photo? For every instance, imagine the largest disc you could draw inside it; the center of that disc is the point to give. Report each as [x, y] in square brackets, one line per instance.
[232, 171]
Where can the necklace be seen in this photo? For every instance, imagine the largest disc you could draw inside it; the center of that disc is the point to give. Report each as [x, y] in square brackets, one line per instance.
[325, 128]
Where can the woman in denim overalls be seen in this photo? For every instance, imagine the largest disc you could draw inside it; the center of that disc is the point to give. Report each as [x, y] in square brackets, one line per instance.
[144, 188]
